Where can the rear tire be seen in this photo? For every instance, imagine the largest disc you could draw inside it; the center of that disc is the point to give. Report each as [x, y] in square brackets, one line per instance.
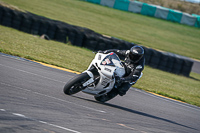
[75, 85]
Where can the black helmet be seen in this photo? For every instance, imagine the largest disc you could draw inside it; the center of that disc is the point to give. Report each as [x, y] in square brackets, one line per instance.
[136, 53]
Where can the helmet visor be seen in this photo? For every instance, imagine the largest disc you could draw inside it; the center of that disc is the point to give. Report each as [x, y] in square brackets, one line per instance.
[135, 57]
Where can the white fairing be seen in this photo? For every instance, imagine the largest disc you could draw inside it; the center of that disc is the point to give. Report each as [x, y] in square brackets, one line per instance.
[120, 71]
[108, 65]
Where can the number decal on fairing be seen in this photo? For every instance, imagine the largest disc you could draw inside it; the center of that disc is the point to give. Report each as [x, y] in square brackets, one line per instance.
[107, 61]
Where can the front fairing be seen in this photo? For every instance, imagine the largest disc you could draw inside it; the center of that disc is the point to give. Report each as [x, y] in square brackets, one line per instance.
[116, 62]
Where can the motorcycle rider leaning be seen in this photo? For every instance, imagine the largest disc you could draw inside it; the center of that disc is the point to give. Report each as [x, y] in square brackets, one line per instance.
[134, 65]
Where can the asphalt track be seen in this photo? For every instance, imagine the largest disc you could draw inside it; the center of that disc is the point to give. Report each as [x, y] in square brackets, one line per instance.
[32, 100]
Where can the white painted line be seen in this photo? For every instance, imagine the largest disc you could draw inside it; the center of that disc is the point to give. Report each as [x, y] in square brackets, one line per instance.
[101, 111]
[2, 110]
[20, 115]
[43, 122]
[64, 128]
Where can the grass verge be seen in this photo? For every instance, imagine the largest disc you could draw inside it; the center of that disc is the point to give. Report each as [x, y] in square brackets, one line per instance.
[147, 31]
[64, 55]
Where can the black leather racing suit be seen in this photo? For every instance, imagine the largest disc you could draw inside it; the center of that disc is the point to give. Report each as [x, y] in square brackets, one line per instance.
[133, 70]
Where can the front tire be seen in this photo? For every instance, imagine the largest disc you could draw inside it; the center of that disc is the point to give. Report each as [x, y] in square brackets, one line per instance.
[76, 84]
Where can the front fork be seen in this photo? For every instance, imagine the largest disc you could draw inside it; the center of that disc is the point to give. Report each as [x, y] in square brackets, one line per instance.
[91, 80]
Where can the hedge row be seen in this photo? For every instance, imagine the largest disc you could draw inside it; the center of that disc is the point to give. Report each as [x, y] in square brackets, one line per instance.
[83, 37]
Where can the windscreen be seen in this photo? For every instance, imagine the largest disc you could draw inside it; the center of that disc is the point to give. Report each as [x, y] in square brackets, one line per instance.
[110, 59]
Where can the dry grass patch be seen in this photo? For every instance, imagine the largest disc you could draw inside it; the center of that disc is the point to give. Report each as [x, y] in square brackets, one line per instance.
[191, 8]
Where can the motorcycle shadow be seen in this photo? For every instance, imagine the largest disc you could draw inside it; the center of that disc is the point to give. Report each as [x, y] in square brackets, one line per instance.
[135, 112]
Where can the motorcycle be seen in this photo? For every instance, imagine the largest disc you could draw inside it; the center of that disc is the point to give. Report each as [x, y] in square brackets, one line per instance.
[99, 79]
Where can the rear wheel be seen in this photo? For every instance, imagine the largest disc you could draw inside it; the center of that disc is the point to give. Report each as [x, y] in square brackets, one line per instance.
[76, 84]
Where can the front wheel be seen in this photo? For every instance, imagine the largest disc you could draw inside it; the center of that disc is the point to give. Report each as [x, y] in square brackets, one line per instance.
[76, 84]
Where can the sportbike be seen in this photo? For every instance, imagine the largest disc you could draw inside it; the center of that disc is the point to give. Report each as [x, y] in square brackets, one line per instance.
[99, 79]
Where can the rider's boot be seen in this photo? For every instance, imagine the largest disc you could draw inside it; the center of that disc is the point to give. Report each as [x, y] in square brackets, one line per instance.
[113, 93]
[122, 92]
[123, 88]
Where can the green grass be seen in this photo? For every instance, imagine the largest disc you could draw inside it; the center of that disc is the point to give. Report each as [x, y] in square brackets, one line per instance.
[32, 47]
[143, 30]
[171, 85]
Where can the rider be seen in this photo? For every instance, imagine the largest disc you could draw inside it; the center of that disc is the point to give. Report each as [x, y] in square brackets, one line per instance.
[134, 65]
